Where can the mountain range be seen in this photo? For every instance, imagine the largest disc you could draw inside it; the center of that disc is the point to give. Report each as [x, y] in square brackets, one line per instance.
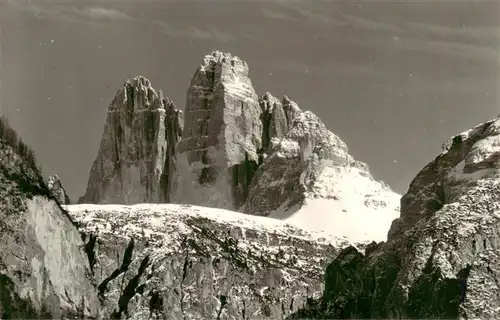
[245, 207]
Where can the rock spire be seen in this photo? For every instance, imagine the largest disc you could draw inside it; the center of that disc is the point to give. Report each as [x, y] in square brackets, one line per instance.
[135, 161]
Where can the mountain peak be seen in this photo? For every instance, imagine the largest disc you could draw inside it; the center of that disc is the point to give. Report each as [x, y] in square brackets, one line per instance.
[136, 95]
[218, 56]
[222, 134]
[135, 157]
[309, 178]
[263, 156]
[138, 81]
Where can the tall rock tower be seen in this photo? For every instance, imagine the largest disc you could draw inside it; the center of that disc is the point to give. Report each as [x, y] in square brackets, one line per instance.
[218, 153]
[135, 159]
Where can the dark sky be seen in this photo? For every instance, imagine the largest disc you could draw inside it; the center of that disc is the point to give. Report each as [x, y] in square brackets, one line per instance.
[393, 79]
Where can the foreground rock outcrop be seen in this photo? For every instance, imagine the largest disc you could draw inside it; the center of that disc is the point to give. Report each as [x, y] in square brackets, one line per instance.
[135, 161]
[441, 259]
[44, 271]
[218, 153]
[185, 262]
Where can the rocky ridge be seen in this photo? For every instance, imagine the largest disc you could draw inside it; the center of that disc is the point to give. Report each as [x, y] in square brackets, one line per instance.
[44, 271]
[441, 257]
[168, 261]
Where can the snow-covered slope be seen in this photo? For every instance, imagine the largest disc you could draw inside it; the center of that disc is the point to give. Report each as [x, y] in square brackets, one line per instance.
[345, 202]
[147, 219]
[185, 262]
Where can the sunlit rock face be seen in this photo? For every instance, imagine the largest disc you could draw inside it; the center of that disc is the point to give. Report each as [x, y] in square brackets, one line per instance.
[218, 153]
[441, 259]
[135, 161]
[55, 186]
[44, 271]
[310, 179]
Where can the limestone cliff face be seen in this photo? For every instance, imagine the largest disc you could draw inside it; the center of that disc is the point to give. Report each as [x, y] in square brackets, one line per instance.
[235, 151]
[441, 259]
[44, 271]
[135, 161]
[56, 188]
[173, 261]
[218, 153]
[309, 170]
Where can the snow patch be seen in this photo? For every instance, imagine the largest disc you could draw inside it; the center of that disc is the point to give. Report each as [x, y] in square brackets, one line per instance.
[347, 203]
[156, 218]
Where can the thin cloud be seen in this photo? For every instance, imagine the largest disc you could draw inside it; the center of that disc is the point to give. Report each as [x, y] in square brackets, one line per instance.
[192, 32]
[293, 13]
[487, 35]
[358, 22]
[62, 11]
[321, 18]
[297, 12]
[275, 14]
[348, 68]
[102, 13]
[339, 68]
[450, 48]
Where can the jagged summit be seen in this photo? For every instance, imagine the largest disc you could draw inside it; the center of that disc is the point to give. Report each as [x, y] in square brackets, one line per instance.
[311, 180]
[467, 158]
[138, 82]
[136, 94]
[135, 159]
[235, 151]
[218, 57]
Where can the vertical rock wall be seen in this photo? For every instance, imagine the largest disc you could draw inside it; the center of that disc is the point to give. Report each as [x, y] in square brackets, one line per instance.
[218, 153]
[134, 158]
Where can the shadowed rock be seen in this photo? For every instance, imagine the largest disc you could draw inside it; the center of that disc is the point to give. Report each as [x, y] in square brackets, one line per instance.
[441, 259]
[277, 118]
